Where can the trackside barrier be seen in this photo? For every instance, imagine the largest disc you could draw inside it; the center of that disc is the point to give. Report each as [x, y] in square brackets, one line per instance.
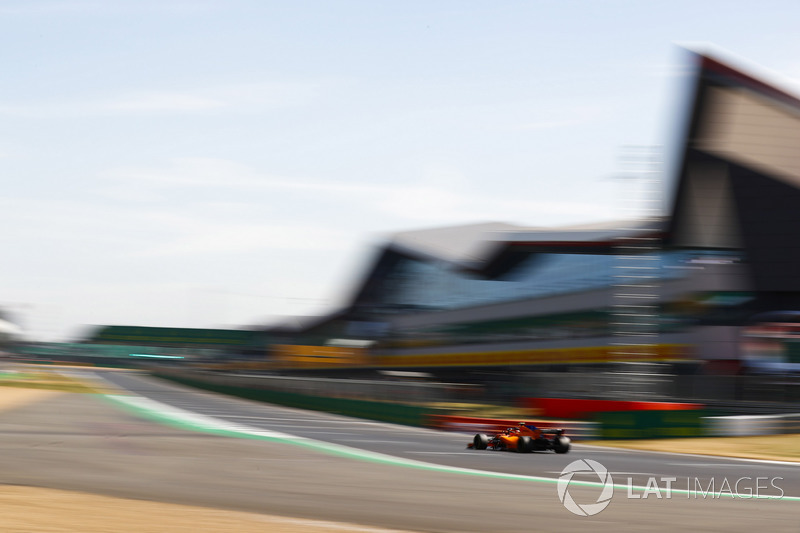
[752, 425]
[410, 415]
[636, 425]
[651, 424]
[609, 425]
[574, 429]
[583, 409]
[356, 389]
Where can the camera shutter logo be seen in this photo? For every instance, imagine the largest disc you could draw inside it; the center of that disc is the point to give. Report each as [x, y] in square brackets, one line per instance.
[585, 466]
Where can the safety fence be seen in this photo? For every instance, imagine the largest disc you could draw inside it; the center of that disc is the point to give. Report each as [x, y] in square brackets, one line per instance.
[752, 425]
[609, 425]
[583, 409]
[655, 386]
[674, 420]
[467, 424]
[412, 415]
[624, 425]
[367, 389]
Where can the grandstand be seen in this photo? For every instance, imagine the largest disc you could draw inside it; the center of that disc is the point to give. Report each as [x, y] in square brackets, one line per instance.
[677, 289]
[495, 294]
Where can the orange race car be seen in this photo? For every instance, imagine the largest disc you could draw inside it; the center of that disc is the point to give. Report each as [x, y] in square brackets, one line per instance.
[524, 438]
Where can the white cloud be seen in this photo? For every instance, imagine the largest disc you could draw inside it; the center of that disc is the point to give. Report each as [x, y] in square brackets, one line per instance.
[439, 206]
[209, 173]
[82, 7]
[186, 172]
[48, 8]
[564, 115]
[548, 124]
[202, 238]
[168, 102]
[244, 97]
[441, 195]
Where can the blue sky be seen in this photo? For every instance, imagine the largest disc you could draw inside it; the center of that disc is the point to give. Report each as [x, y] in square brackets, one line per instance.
[212, 163]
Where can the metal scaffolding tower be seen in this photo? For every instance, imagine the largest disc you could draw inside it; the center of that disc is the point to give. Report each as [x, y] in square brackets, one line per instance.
[635, 306]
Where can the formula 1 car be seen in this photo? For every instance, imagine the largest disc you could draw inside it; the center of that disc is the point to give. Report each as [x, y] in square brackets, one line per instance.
[524, 438]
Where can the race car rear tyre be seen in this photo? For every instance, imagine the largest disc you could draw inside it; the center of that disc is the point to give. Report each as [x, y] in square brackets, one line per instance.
[480, 442]
[524, 444]
[561, 444]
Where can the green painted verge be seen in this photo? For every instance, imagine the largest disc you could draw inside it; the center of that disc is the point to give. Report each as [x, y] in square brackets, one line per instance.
[656, 424]
[409, 415]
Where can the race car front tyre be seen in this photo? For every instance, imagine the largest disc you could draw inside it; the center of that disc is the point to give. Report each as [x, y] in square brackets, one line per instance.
[524, 444]
[480, 442]
[561, 444]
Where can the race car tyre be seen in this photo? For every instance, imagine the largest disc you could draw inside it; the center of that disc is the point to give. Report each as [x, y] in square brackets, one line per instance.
[480, 442]
[524, 444]
[561, 444]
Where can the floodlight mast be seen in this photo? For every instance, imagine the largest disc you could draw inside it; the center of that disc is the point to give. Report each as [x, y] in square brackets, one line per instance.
[636, 297]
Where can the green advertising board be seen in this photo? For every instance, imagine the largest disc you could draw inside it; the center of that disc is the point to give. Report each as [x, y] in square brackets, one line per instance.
[655, 424]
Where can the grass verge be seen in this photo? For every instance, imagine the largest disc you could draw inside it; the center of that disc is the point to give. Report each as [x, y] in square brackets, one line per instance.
[766, 447]
[44, 380]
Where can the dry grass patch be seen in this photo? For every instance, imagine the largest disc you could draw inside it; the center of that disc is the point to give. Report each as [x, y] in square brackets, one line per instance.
[37, 510]
[42, 380]
[12, 398]
[769, 447]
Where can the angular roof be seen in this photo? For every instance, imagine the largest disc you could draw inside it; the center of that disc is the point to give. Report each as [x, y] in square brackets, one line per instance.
[589, 234]
[464, 245]
[738, 186]
[471, 245]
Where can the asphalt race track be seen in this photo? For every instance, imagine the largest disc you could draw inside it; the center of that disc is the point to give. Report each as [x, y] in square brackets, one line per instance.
[80, 442]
